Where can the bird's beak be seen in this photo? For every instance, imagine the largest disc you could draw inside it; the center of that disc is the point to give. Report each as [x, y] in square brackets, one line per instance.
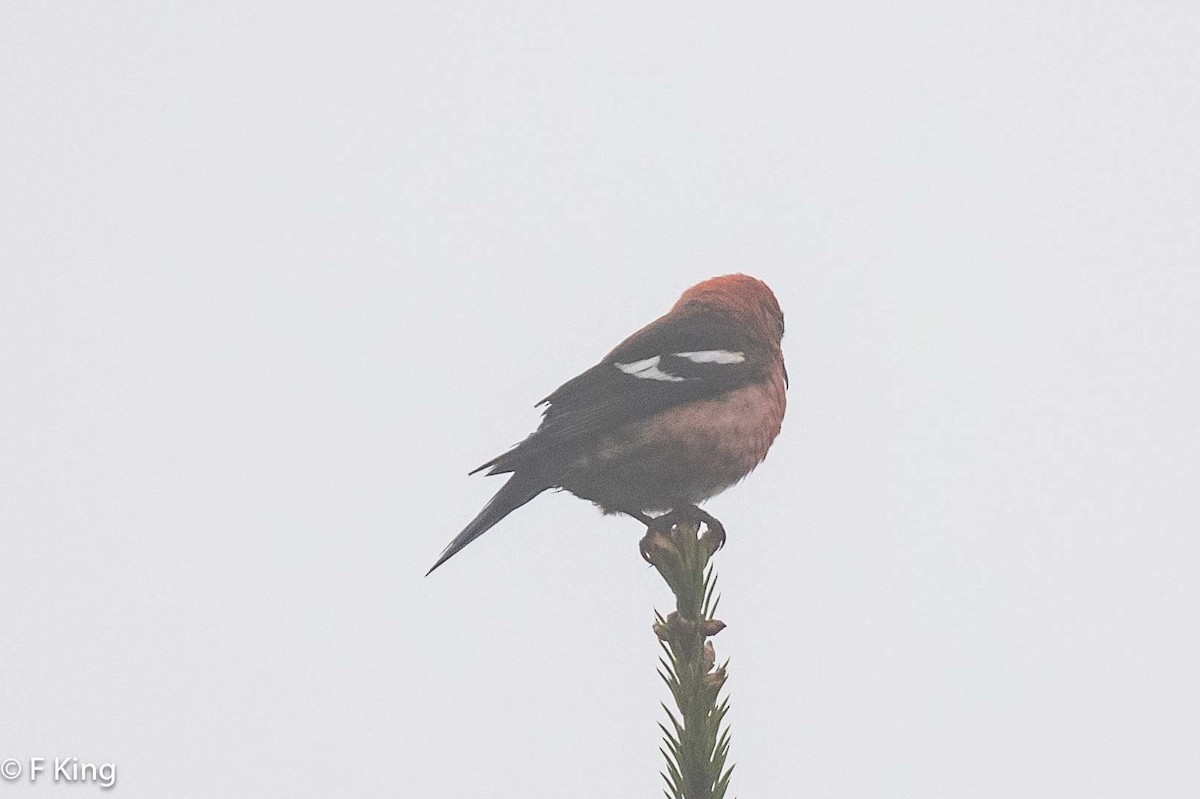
[785, 380]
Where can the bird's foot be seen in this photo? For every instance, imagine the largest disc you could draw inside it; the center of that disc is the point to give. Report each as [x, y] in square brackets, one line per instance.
[658, 527]
[714, 531]
[690, 514]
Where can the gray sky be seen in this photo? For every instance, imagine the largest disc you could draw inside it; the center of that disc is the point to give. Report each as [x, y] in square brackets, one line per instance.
[274, 277]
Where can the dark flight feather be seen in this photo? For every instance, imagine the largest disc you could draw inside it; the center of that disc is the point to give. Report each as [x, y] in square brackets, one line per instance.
[604, 397]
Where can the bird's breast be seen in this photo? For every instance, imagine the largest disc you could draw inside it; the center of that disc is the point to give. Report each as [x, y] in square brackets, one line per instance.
[684, 454]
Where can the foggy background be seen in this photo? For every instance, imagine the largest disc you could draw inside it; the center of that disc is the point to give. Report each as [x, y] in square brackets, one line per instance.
[273, 277]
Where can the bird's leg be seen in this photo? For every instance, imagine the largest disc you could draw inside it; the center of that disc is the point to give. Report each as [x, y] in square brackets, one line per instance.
[651, 529]
[641, 517]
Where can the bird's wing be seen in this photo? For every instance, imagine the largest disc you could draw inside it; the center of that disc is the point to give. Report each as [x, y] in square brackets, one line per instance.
[675, 360]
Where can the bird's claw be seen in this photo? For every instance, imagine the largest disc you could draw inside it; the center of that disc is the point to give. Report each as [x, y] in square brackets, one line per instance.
[715, 531]
[713, 536]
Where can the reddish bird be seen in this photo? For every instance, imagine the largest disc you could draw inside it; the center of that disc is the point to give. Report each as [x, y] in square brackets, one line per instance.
[678, 412]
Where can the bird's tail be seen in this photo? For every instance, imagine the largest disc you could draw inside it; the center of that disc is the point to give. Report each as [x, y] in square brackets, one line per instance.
[519, 489]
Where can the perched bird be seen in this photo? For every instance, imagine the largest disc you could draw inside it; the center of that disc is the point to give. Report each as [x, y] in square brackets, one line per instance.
[678, 412]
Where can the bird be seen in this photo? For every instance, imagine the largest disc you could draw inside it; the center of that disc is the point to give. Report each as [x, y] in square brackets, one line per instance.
[676, 413]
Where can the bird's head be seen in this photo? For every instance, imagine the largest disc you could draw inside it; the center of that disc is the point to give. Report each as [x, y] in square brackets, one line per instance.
[746, 298]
